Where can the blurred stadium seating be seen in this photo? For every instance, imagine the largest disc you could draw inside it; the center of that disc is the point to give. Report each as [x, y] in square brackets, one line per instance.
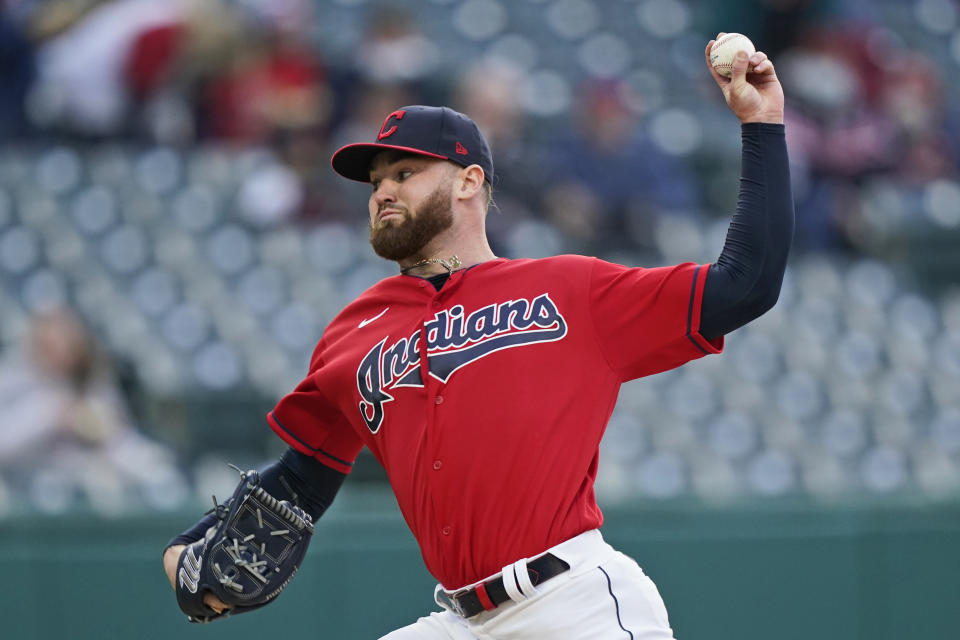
[193, 266]
[806, 482]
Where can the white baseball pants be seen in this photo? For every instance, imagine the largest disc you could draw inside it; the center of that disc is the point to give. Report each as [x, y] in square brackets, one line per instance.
[605, 595]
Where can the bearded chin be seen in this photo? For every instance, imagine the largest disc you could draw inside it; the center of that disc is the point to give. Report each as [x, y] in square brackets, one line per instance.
[404, 238]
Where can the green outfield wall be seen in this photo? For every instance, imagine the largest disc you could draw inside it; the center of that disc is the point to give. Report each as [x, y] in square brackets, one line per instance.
[742, 572]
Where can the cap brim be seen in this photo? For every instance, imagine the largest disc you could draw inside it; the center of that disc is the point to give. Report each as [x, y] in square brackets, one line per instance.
[353, 161]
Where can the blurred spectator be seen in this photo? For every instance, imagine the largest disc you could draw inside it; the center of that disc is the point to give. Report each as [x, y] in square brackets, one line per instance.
[837, 130]
[490, 92]
[393, 49]
[274, 86]
[608, 182]
[16, 75]
[392, 57]
[862, 107]
[774, 25]
[146, 67]
[84, 71]
[65, 430]
[169, 67]
[274, 92]
[838, 124]
[913, 97]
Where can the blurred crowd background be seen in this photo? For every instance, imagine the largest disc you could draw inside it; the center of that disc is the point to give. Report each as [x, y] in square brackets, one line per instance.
[173, 241]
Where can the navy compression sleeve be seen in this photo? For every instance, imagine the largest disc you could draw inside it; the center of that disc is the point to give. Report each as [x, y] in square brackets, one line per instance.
[744, 282]
[296, 478]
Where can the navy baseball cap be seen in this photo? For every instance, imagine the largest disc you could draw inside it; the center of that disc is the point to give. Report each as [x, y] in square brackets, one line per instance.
[436, 132]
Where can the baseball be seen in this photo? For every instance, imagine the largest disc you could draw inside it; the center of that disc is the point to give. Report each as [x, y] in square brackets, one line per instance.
[725, 48]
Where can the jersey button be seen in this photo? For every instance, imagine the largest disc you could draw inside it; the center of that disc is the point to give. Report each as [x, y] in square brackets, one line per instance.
[436, 304]
[437, 464]
[422, 283]
[438, 400]
[445, 531]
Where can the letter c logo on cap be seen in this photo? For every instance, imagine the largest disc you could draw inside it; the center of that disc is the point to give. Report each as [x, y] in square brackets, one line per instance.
[386, 133]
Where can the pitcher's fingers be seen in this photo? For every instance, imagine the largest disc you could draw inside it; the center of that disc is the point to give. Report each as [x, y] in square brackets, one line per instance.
[757, 58]
[765, 67]
[215, 603]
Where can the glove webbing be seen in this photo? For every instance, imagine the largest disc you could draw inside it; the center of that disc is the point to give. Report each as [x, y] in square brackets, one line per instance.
[254, 567]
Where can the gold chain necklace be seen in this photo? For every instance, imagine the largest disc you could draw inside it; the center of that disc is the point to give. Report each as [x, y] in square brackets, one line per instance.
[449, 264]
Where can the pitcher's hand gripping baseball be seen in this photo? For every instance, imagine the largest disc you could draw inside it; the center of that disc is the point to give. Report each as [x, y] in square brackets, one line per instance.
[247, 558]
[752, 91]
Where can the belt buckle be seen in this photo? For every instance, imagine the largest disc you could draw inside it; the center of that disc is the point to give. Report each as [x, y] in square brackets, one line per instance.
[455, 602]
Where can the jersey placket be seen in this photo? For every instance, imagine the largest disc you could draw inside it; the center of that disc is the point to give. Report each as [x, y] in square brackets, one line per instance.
[434, 398]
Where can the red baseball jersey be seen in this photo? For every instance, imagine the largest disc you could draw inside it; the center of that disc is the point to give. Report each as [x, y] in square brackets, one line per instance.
[485, 401]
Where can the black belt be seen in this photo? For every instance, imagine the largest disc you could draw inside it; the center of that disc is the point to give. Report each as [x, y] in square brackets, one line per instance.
[491, 594]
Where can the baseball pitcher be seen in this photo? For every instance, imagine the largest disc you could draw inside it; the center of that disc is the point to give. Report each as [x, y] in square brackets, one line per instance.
[483, 386]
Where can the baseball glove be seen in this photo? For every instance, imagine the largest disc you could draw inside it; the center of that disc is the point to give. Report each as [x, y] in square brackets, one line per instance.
[246, 558]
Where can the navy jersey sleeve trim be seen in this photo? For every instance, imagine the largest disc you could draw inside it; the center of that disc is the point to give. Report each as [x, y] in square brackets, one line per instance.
[693, 300]
[273, 416]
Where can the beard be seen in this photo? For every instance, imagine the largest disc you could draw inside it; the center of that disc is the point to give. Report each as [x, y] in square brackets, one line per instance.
[404, 237]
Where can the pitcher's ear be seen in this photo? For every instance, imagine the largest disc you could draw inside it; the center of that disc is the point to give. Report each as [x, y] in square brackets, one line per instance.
[471, 181]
